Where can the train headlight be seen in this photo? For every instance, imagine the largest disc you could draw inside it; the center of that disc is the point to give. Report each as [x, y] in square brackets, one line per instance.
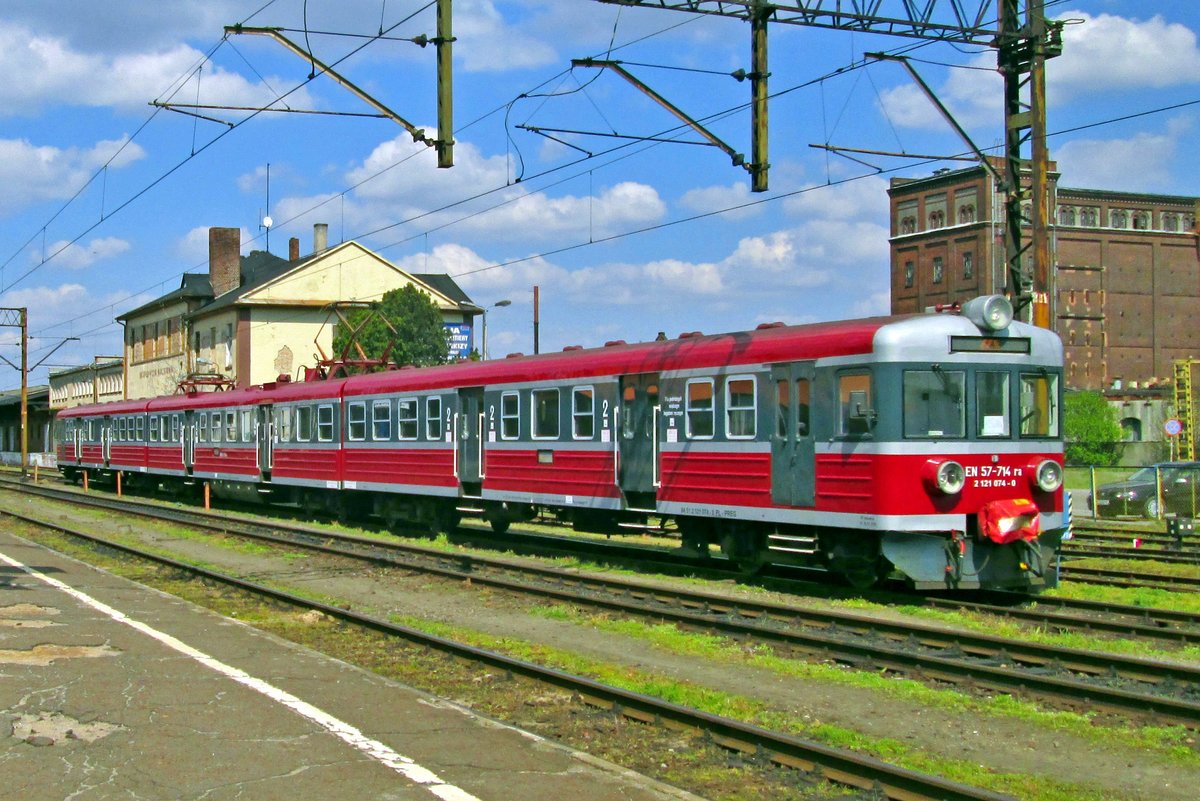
[1048, 475]
[989, 312]
[949, 477]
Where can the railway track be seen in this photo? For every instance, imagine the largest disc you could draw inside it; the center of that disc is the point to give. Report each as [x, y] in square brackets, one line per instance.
[1082, 679]
[839, 766]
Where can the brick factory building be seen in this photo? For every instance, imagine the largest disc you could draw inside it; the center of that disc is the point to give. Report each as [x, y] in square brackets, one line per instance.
[1125, 283]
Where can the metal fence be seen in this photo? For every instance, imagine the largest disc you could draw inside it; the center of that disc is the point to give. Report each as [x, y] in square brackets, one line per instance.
[1149, 492]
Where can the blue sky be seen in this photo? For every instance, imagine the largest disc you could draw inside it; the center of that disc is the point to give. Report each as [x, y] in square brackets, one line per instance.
[107, 199]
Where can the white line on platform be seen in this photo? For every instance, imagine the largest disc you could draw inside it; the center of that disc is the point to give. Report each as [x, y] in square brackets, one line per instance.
[401, 764]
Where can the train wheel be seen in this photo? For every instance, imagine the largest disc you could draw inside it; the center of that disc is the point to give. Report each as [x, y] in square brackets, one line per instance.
[694, 536]
[745, 548]
[861, 574]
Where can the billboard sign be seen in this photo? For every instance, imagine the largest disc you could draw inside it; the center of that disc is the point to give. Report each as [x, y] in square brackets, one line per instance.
[460, 337]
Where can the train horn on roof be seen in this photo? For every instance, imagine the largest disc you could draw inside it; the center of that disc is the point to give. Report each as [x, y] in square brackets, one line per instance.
[989, 312]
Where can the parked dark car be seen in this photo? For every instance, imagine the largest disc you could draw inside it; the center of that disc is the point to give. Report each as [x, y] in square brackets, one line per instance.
[1138, 494]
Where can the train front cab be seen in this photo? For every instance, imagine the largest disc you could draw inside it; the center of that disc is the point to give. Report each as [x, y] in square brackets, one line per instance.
[971, 456]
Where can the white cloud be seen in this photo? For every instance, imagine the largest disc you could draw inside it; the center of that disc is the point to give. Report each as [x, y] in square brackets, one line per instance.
[1101, 51]
[192, 248]
[34, 173]
[399, 181]
[1111, 52]
[45, 70]
[75, 256]
[488, 43]
[1143, 162]
[703, 200]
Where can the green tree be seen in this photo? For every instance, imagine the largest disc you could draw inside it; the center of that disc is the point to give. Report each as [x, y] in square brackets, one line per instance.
[1092, 431]
[420, 337]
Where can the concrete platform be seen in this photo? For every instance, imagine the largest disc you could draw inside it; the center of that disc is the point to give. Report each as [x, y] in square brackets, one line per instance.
[110, 690]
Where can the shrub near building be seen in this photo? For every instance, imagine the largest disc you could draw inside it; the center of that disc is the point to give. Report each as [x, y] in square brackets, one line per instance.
[1093, 434]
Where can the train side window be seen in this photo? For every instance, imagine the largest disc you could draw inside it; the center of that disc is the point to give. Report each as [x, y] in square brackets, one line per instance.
[247, 425]
[407, 420]
[934, 403]
[120, 429]
[139, 428]
[175, 427]
[854, 402]
[544, 413]
[699, 410]
[381, 421]
[201, 424]
[304, 424]
[740, 407]
[154, 429]
[284, 419]
[433, 418]
[325, 423]
[163, 428]
[231, 431]
[1039, 405]
[356, 422]
[583, 412]
[216, 427]
[991, 404]
[783, 407]
[510, 415]
[802, 405]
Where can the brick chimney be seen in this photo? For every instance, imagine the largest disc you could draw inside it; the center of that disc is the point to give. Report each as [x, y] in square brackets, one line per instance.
[224, 259]
[293, 249]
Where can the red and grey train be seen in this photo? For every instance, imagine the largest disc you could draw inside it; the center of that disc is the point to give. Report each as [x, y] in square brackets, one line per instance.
[926, 445]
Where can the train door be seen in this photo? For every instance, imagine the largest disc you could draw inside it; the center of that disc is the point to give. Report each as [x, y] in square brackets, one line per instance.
[264, 438]
[468, 425]
[189, 441]
[792, 457]
[638, 439]
[106, 430]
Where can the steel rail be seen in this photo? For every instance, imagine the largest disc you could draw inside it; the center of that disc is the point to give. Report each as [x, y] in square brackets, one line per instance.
[1131, 578]
[730, 616]
[836, 765]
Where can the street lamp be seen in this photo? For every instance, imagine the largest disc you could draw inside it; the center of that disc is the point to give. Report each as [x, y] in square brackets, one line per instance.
[498, 304]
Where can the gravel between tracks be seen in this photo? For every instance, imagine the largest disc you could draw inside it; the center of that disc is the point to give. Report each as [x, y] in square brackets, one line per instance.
[1001, 744]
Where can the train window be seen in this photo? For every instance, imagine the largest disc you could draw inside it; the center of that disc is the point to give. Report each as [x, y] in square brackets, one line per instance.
[120, 429]
[201, 424]
[433, 418]
[356, 422]
[247, 425]
[140, 428]
[231, 430]
[700, 408]
[154, 429]
[510, 415]
[802, 406]
[740, 407]
[783, 406]
[544, 413]
[583, 412]
[215, 427]
[1039, 405]
[381, 420]
[304, 424]
[283, 419]
[325, 423]
[935, 403]
[407, 420]
[163, 425]
[856, 416]
[991, 404]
